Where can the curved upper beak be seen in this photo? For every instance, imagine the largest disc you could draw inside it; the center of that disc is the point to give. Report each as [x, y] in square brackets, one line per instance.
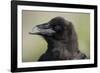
[35, 30]
[42, 29]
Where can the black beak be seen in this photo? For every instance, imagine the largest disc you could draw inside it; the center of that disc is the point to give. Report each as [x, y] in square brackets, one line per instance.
[43, 29]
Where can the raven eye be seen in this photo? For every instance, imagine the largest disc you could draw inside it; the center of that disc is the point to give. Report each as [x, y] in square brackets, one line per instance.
[57, 28]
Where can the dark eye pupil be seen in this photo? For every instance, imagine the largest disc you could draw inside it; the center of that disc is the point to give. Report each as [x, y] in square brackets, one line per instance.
[57, 28]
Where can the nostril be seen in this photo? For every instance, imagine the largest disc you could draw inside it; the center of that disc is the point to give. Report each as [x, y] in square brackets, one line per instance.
[43, 26]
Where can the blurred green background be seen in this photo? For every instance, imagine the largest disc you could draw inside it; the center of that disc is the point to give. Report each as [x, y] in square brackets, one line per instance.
[34, 46]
